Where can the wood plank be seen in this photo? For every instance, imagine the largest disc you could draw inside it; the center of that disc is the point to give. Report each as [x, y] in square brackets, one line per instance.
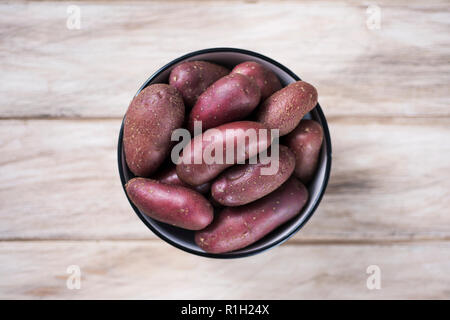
[121, 270]
[390, 181]
[60, 177]
[49, 70]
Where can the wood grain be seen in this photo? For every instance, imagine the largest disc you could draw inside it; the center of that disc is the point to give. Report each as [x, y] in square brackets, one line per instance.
[51, 71]
[390, 181]
[152, 270]
[385, 93]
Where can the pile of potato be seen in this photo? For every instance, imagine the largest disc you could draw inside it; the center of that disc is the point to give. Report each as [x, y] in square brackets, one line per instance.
[230, 206]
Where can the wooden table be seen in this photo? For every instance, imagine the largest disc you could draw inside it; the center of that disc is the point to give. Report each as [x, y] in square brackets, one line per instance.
[385, 92]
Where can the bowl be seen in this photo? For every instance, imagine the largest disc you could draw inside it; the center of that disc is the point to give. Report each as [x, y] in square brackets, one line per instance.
[184, 239]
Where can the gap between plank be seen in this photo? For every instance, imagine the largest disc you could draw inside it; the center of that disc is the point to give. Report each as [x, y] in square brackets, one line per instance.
[328, 242]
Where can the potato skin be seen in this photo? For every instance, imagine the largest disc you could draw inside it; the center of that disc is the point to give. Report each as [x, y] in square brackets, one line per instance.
[237, 227]
[172, 204]
[230, 98]
[151, 117]
[244, 183]
[265, 79]
[192, 78]
[306, 141]
[198, 173]
[169, 176]
[285, 108]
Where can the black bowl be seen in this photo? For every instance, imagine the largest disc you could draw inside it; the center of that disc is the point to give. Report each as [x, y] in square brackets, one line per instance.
[184, 239]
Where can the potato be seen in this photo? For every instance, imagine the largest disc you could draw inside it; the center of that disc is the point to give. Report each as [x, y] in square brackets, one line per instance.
[246, 183]
[196, 172]
[265, 79]
[230, 98]
[237, 227]
[214, 203]
[285, 108]
[172, 204]
[169, 176]
[306, 141]
[191, 78]
[151, 117]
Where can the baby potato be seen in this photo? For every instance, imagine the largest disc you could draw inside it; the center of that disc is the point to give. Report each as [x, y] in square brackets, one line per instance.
[191, 78]
[306, 141]
[237, 227]
[172, 204]
[169, 176]
[230, 98]
[151, 117]
[266, 80]
[195, 170]
[285, 108]
[246, 183]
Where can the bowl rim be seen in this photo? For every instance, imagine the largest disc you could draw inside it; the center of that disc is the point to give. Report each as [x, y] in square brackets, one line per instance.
[230, 255]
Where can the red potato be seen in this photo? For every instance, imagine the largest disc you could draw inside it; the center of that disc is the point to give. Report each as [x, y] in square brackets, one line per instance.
[214, 203]
[191, 78]
[169, 176]
[306, 141]
[151, 117]
[285, 108]
[195, 170]
[266, 80]
[246, 183]
[230, 98]
[172, 204]
[237, 227]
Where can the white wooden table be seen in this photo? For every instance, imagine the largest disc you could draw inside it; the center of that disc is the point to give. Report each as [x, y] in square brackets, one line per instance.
[385, 92]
